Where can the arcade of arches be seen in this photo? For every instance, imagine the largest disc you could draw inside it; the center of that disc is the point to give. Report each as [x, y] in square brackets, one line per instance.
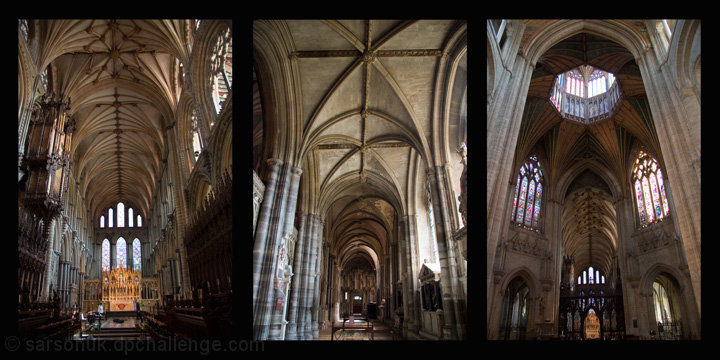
[359, 153]
[593, 179]
[125, 163]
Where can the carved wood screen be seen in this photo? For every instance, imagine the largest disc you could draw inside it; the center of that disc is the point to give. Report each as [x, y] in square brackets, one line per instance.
[576, 303]
[208, 239]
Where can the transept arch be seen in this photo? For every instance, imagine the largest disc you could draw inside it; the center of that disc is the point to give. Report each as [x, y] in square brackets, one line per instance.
[627, 36]
[650, 109]
[277, 76]
[677, 281]
[504, 323]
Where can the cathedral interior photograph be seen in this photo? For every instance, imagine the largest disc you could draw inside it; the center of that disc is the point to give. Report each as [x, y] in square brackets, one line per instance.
[590, 229]
[593, 179]
[359, 180]
[124, 179]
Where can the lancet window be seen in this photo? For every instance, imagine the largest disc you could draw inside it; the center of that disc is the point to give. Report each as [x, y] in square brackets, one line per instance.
[120, 216]
[591, 276]
[221, 69]
[121, 252]
[137, 259]
[106, 255]
[196, 138]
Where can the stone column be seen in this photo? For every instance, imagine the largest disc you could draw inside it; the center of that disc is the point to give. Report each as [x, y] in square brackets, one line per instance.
[174, 278]
[178, 275]
[263, 225]
[553, 231]
[296, 286]
[452, 300]
[51, 270]
[65, 283]
[674, 102]
[408, 245]
[113, 255]
[128, 254]
[505, 108]
[629, 269]
[81, 289]
[275, 223]
[316, 287]
[305, 325]
[326, 291]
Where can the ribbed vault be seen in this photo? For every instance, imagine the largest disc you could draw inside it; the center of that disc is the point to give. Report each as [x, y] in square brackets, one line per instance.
[361, 227]
[610, 141]
[589, 228]
[123, 79]
[367, 96]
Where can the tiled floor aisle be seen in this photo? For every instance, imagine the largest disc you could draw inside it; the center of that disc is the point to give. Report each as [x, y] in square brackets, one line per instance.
[382, 332]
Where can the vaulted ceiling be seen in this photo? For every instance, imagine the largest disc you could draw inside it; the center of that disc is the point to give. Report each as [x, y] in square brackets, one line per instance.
[589, 224]
[362, 228]
[367, 90]
[608, 142]
[123, 80]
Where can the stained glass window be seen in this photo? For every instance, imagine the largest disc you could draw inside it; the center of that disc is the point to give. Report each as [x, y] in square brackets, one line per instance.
[130, 217]
[106, 255]
[221, 68]
[44, 80]
[137, 260]
[139, 221]
[197, 139]
[121, 251]
[110, 217]
[650, 197]
[528, 195]
[102, 221]
[23, 25]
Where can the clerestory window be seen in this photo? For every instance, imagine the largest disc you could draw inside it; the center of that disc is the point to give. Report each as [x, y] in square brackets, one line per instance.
[591, 276]
[117, 217]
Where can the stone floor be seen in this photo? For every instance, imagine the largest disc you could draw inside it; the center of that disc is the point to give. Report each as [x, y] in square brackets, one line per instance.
[381, 332]
[112, 330]
[128, 322]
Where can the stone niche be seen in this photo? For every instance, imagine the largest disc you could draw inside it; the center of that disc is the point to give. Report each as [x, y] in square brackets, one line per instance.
[432, 315]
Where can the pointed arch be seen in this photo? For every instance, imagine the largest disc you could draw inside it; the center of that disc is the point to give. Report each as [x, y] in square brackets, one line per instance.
[105, 255]
[137, 254]
[121, 252]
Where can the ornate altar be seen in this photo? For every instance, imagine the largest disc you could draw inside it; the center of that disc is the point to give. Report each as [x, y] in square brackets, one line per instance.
[121, 288]
[94, 294]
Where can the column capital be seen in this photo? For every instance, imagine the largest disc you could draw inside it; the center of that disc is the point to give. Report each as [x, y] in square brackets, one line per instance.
[274, 162]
